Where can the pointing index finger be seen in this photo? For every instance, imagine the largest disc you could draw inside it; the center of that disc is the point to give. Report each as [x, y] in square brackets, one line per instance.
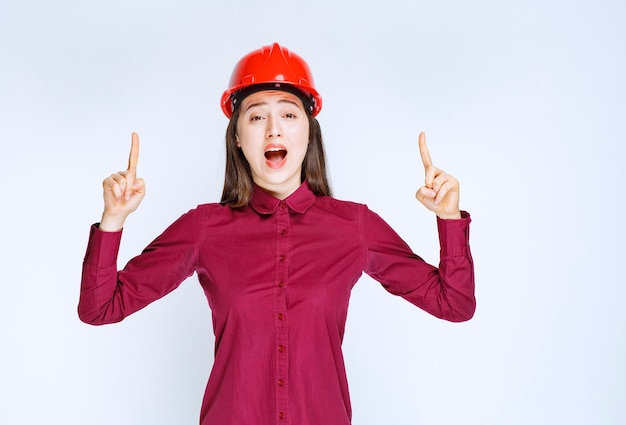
[424, 151]
[134, 154]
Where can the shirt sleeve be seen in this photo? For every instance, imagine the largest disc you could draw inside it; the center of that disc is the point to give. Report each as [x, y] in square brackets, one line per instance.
[446, 292]
[108, 295]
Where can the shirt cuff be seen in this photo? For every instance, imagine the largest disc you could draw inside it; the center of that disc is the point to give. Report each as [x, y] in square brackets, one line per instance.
[103, 247]
[454, 235]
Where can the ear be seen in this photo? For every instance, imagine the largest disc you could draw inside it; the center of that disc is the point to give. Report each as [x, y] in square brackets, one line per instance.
[237, 140]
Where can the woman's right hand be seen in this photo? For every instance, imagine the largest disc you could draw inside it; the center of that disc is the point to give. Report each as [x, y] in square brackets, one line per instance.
[123, 192]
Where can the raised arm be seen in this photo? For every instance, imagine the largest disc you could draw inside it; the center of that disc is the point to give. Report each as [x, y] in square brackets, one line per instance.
[108, 295]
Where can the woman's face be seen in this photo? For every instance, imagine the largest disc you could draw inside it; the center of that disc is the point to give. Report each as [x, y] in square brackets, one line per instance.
[273, 133]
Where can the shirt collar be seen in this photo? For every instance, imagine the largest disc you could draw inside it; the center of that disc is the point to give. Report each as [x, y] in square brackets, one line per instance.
[299, 201]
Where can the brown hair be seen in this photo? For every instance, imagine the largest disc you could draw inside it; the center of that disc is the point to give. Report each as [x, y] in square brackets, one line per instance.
[238, 183]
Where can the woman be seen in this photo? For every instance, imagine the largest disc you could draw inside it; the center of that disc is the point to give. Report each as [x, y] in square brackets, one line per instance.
[278, 256]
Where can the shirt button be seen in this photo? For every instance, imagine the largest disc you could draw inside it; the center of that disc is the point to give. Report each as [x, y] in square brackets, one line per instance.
[281, 415]
[281, 316]
[281, 284]
[282, 204]
[281, 382]
[283, 232]
[281, 348]
[282, 258]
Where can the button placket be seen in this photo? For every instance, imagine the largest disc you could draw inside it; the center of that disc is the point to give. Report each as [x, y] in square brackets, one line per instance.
[280, 311]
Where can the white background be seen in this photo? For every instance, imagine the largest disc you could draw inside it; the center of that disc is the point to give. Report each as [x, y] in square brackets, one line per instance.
[523, 101]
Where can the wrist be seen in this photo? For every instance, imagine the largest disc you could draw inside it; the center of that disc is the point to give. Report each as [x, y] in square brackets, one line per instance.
[450, 216]
[111, 223]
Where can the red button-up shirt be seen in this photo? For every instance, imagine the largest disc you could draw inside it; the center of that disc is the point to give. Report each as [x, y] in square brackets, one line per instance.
[278, 276]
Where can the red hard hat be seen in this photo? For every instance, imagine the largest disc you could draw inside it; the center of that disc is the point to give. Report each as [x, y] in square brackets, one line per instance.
[272, 67]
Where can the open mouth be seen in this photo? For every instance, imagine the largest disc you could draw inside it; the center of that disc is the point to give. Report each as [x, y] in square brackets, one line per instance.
[275, 155]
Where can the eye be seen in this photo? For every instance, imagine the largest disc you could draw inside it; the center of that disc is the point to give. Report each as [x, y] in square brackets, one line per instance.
[290, 115]
[256, 118]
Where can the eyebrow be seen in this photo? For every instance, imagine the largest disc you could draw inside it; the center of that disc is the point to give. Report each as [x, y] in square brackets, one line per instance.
[265, 103]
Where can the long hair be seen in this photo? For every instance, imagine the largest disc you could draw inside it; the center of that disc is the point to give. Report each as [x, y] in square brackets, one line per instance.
[238, 184]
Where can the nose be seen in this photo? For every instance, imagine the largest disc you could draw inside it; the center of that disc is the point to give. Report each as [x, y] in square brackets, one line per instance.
[273, 127]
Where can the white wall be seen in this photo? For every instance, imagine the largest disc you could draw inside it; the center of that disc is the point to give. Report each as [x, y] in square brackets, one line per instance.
[524, 101]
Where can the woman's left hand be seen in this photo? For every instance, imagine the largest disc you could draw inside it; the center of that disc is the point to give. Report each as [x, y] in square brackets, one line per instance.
[440, 193]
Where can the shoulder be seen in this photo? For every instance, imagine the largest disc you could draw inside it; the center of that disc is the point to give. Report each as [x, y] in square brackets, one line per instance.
[368, 220]
[343, 206]
[215, 213]
[328, 204]
[201, 214]
[355, 212]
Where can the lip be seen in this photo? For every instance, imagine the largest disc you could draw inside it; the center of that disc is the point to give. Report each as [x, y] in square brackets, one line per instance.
[275, 147]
